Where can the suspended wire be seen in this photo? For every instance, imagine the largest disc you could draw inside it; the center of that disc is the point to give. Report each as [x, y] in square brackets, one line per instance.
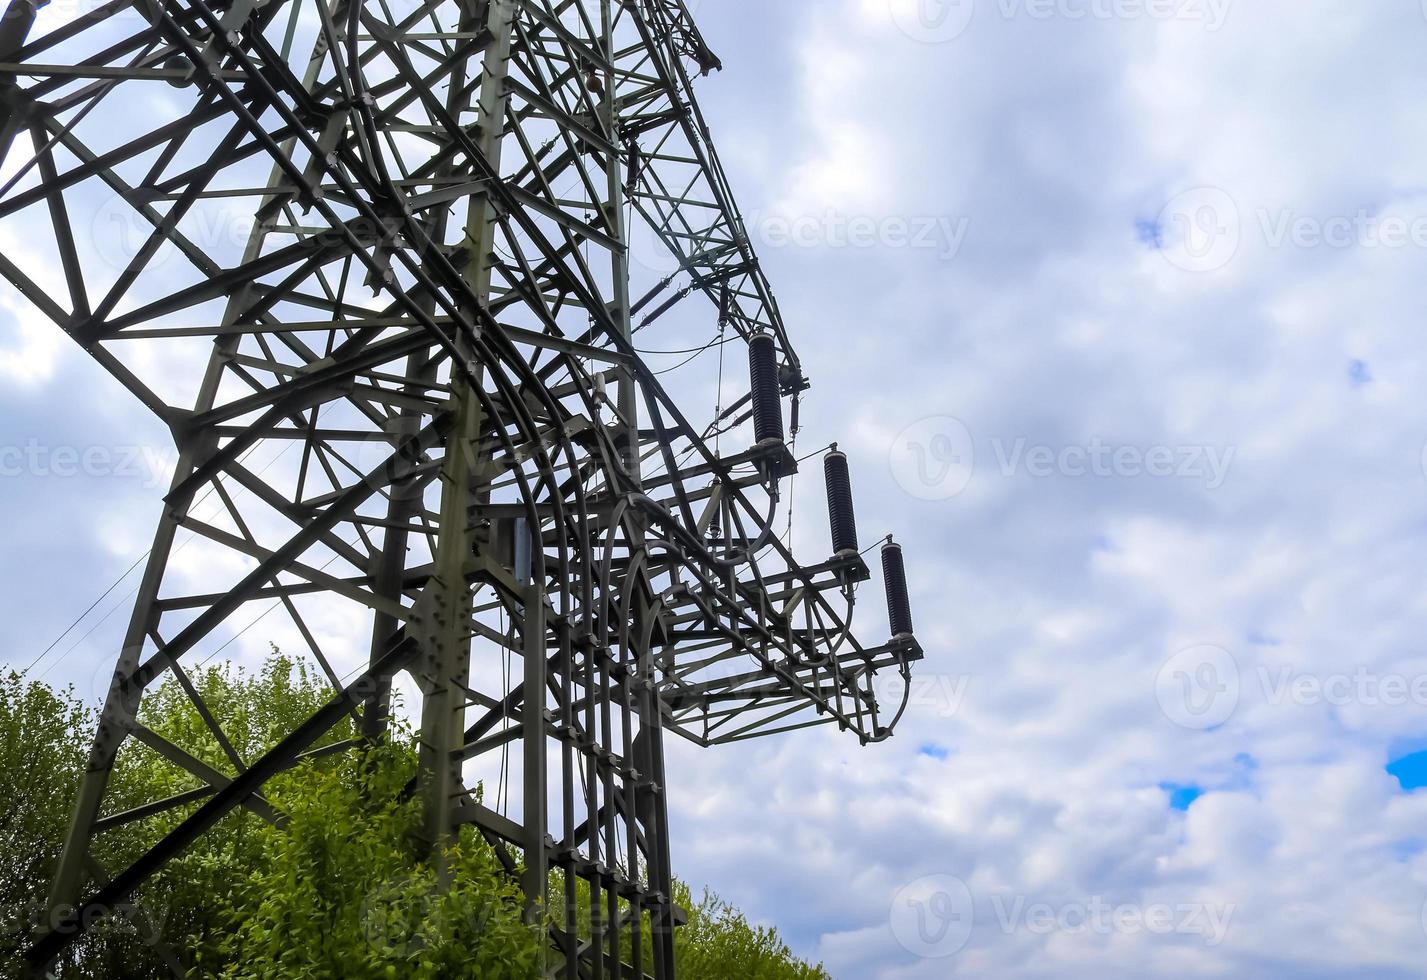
[694, 355]
[238, 635]
[689, 350]
[815, 452]
[874, 544]
[129, 571]
[138, 561]
[503, 786]
[718, 395]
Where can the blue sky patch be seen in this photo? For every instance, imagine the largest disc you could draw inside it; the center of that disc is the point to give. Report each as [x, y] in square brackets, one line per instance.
[1410, 771]
[1181, 797]
[1150, 233]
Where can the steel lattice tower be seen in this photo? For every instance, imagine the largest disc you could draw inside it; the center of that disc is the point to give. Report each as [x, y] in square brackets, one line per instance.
[426, 329]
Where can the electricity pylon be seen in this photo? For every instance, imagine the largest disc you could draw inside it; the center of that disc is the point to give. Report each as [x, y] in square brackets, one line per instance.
[414, 433]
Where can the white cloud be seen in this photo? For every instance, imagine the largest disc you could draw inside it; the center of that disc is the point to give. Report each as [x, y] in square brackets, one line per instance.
[1063, 597]
[1060, 140]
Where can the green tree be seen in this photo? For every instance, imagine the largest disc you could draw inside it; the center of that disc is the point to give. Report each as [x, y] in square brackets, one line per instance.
[338, 890]
[43, 738]
[343, 891]
[720, 942]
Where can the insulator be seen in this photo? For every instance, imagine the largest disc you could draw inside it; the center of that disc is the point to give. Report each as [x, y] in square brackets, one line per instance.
[894, 580]
[839, 503]
[767, 401]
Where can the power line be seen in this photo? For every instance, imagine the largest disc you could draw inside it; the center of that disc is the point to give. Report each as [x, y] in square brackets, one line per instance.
[127, 572]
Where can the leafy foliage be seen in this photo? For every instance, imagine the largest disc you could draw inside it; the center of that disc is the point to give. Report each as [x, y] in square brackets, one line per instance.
[342, 891]
[44, 735]
[338, 889]
[720, 942]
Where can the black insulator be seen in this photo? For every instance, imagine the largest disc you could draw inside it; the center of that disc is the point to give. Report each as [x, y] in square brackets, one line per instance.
[839, 503]
[894, 580]
[763, 378]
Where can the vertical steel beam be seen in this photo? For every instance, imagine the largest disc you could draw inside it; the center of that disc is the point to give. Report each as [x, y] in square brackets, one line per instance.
[536, 817]
[15, 26]
[448, 602]
[445, 609]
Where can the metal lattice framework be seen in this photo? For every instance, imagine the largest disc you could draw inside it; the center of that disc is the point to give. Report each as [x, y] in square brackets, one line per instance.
[411, 420]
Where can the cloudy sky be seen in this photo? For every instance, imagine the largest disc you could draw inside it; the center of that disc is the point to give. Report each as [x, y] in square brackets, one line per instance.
[1112, 304]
